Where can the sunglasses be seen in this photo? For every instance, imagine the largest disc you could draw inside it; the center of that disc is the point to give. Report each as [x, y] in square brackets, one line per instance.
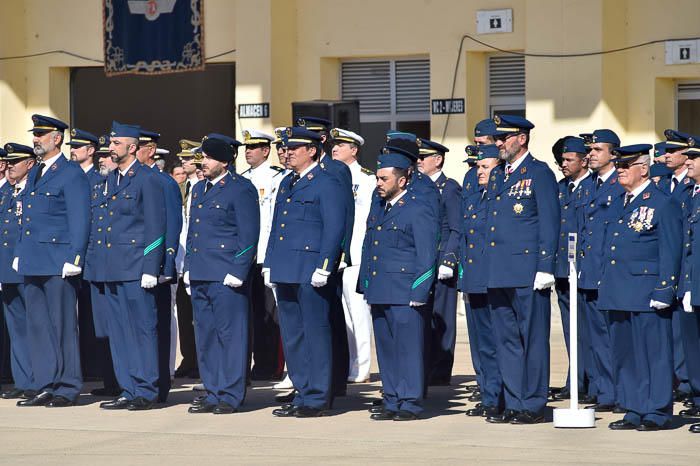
[625, 165]
[505, 137]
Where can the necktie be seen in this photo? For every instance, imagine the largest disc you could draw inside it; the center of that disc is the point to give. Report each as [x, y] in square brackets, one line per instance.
[17, 190]
[599, 183]
[119, 178]
[187, 189]
[387, 208]
[628, 198]
[572, 186]
[696, 190]
[509, 170]
[207, 187]
[295, 178]
[674, 183]
[41, 171]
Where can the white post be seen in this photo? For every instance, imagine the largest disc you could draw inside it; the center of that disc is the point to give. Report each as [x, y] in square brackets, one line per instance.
[573, 417]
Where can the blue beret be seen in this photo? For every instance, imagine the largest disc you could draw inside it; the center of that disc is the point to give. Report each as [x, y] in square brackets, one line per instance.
[217, 149]
[625, 153]
[574, 144]
[659, 169]
[314, 123]
[660, 149]
[394, 159]
[148, 136]
[296, 136]
[605, 135]
[676, 139]
[45, 124]
[228, 139]
[124, 131]
[103, 142]
[18, 151]
[508, 124]
[427, 147]
[485, 128]
[80, 138]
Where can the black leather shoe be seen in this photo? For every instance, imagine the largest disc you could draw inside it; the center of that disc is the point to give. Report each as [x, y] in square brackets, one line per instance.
[587, 400]
[305, 411]
[376, 409]
[601, 408]
[285, 411]
[379, 402]
[60, 402]
[619, 410]
[527, 417]
[679, 395]
[224, 408]
[475, 397]
[688, 403]
[649, 426]
[28, 394]
[201, 408]
[140, 404]
[198, 400]
[119, 403]
[476, 412]
[503, 418]
[621, 425]
[12, 394]
[694, 428]
[561, 395]
[471, 388]
[690, 412]
[383, 415]
[402, 415]
[104, 391]
[40, 399]
[287, 397]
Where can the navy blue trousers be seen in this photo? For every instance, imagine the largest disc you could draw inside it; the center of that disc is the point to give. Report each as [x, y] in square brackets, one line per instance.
[521, 322]
[564, 301]
[473, 340]
[164, 307]
[339, 337]
[602, 381]
[643, 356]
[690, 331]
[100, 317]
[133, 338]
[679, 356]
[304, 315]
[443, 330]
[52, 334]
[399, 336]
[491, 381]
[221, 335]
[16, 320]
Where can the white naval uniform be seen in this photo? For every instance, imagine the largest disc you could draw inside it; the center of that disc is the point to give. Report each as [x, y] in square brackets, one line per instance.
[358, 318]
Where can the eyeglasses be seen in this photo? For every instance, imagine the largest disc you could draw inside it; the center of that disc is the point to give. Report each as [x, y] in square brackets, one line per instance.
[625, 165]
[505, 137]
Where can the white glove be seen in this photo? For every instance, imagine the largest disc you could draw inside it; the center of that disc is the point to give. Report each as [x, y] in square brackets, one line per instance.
[148, 281]
[416, 304]
[543, 280]
[233, 282]
[658, 305]
[163, 279]
[445, 272]
[319, 278]
[186, 278]
[342, 265]
[266, 278]
[69, 270]
[15, 264]
[687, 307]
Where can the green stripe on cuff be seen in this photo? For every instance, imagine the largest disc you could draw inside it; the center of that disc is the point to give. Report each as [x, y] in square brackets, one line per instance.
[422, 278]
[153, 245]
[244, 251]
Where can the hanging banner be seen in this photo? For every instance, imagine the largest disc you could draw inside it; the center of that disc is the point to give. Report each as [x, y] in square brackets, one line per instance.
[153, 36]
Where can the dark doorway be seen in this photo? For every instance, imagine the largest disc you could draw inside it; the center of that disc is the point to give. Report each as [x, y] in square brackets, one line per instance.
[179, 106]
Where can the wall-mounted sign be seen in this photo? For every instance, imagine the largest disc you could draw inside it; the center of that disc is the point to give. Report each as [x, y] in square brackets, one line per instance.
[445, 106]
[491, 21]
[254, 110]
[680, 52]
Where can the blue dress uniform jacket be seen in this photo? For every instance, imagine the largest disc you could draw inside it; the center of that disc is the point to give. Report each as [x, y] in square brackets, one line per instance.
[55, 220]
[473, 270]
[426, 191]
[400, 252]
[522, 224]
[173, 220]
[342, 175]
[135, 226]
[308, 228]
[96, 255]
[594, 212]
[450, 195]
[570, 205]
[9, 219]
[643, 246]
[224, 229]
[470, 183]
[691, 253]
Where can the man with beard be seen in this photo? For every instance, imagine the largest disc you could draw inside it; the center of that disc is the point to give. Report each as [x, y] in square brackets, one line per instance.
[50, 253]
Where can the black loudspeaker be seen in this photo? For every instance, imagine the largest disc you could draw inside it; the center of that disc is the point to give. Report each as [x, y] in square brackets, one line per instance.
[342, 113]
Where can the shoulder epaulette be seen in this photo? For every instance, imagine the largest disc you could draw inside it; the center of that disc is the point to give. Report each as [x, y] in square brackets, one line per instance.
[366, 171]
[276, 168]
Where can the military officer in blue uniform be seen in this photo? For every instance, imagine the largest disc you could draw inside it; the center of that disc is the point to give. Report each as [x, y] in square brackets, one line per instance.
[302, 256]
[50, 253]
[641, 267]
[443, 329]
[473, 281]
[576, 184]
[594, 210]
[148, 144]
[341, 172]
[132, 240]
[689, 285]
[659, 170]
[20, 161]
[400, 255]
[521, 238]
[222, 243]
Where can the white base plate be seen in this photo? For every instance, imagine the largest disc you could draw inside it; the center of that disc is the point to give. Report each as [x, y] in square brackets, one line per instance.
[577, 418]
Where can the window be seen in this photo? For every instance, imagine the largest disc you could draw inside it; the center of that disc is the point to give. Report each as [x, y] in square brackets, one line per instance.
[506, 81]
[393, 95]
[689, 107]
